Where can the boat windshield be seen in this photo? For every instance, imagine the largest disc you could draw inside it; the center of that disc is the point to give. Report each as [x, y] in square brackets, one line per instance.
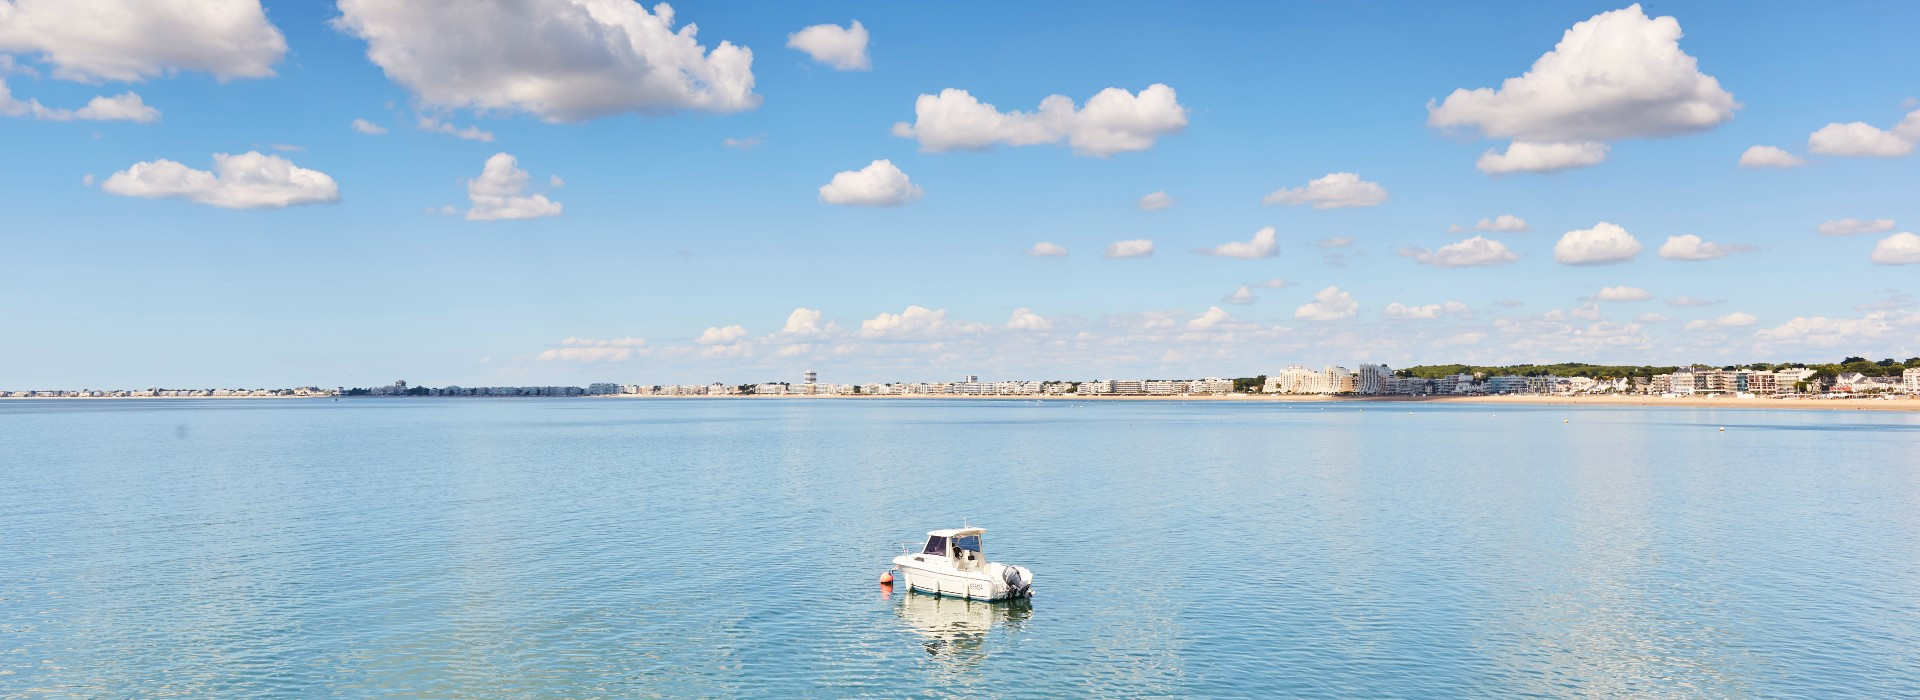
[969, 542]
[937, 546]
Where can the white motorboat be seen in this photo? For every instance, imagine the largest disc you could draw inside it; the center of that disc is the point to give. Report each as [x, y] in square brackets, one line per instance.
[953, 564]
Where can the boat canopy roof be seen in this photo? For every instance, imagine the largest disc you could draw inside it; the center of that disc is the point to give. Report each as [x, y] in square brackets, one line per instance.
[958, 532]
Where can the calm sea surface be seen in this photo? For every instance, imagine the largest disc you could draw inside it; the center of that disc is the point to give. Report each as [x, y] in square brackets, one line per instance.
[499, 548]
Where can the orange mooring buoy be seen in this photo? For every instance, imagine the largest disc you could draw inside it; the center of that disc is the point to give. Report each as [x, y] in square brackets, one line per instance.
[886, 578]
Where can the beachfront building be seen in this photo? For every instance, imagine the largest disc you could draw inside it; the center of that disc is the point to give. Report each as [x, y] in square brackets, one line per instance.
[1373, 380]
[1507, 384]
[1911, 380]
[1211, 386]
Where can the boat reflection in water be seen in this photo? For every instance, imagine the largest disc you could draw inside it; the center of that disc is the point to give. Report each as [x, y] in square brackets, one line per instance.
[956, 629]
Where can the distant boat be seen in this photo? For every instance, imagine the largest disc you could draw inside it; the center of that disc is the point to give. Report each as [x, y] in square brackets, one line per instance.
[953, 564]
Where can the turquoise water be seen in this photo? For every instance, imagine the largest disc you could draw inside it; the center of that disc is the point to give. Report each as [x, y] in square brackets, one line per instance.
[526, 547]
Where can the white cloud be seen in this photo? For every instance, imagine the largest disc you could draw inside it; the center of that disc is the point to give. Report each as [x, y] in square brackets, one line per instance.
[1504, 223]
[501, 193]
[1652, 317]
[1244, 295]
[592, 350]
[1769, 157]
[1823, 332]
[1263, 245]
[1691, 301]
[914, 320]
[1863, 139]
[843, 48]
[366, 127]
[246, 181]
[125, 106]
[1025, 319]
[1478, 251]
[1139, 248]
[1459, 339]
[1603, 244]
[1331, 191]
[555, 181]
[1849, 227]
[470, 133]
[1736, 319]
[1622, 294]
[1617, 75]
[805, 321]
[87, 180]
[1113, 121]
[1275, 283]
[1155, 201]
[1398, 310]
[721, 335]
[1588, 310]
[1328, 304]
[880, 184]
[1692, 247]
[560, 60]
[745, 144]
[1044, 249]
[1531, 157]
[1335, 242]
[1897, 249]
[132, 40]
[1214, 316]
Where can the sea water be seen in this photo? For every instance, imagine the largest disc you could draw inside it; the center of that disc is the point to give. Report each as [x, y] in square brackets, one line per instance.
[616, 548]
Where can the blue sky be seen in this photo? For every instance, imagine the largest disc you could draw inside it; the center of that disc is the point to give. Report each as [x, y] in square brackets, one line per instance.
[663, 237]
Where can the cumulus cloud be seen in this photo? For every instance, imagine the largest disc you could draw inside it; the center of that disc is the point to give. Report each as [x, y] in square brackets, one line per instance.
[915, 320]
[1736, 319]
[1334, 242]
[1867, 140]
[1897, 249]
[720, 335]
[1850, 227]
[595, 350]
[1530, 157]
[1691, 247]
[1603, 244]
[843, 48]
[880, 184]
[1155, 201]
[1623, 294]
[559, 60]
[1263, 245]
[1504, 223]
[1478, 251]
[1331, 191]
[1242, 296]
[1025, 319]
[805, 321]
[746, 143]
[1214, 316]
[1397, 310]
[500, 193]
[1617, 75]
[1820, 332]
[1274, 283]
[468, 133]
[1113, 121]
[1651, 317]
[1691, 301]
[1139, 248]
[366, 127]
[1044, 249]
[132, 40]
[1769, 157]
[126, 106]
[246, 181]
[1330, 304]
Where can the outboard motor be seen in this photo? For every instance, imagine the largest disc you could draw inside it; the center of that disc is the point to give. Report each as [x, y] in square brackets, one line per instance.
[1019, 581]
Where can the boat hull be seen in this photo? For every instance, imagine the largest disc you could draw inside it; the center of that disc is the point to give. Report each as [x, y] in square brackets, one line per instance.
[970, 585]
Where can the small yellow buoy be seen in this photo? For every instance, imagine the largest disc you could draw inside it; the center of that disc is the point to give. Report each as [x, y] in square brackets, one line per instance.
[886, 578]
[1563, 420]
[1723, 429]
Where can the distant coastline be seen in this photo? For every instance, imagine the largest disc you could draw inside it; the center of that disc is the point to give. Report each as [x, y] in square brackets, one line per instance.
[1616, 400]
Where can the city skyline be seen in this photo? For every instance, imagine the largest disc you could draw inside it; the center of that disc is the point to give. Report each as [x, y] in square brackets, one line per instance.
[271, 194]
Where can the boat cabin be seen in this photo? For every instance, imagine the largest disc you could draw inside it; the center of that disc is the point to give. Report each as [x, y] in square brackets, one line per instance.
[960, 547]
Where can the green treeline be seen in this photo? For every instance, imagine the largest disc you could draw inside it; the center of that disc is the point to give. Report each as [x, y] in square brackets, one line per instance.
[1861, 365]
